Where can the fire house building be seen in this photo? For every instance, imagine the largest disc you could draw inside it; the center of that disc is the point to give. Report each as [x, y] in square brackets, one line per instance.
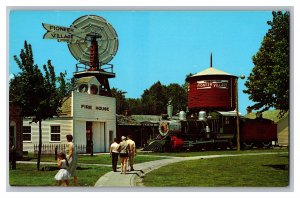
[88, 116]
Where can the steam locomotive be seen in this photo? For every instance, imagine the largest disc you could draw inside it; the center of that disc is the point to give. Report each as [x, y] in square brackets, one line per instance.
[215, 131]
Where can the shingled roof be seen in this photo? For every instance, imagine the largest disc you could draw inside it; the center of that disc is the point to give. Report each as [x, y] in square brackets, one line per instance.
[211, 71]
[137, 119]
[66, 107]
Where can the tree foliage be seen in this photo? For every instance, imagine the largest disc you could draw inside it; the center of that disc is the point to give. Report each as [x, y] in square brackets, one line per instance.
[134, 105]
[153, 101]
[121, 104]
[268, 83]
[38, 94]
[178, 95]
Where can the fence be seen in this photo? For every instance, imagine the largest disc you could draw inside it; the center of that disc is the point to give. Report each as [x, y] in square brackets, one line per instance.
[50, 148]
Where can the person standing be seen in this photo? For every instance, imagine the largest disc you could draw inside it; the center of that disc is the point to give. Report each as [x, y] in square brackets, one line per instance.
[114, 152]
[131, 151]
[63, 174]
[72, 159]
[123, 149]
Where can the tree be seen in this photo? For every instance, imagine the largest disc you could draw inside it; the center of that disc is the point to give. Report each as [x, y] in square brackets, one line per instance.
[37, 94]
[154, 100]
[121, 104]
[134, 105]
[268, 83]
[178, 95]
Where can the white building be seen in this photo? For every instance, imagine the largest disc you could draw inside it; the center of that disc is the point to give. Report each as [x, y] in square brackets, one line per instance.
[88, 116]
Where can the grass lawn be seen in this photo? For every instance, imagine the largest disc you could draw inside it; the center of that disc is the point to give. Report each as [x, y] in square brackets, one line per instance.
[105, 159]
[98, 159]
[229, 171]
[27, 175]
[204, 153]
[239, 171]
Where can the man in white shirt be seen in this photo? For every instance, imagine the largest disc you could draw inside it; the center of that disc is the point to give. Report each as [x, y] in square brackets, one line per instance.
[114, 154]
[132, 151]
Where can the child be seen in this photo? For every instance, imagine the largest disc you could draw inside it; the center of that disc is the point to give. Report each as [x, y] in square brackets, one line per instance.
[63, 174]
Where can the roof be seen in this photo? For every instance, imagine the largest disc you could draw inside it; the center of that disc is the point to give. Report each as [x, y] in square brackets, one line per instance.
[66, 107]
[147, 118]
[126, 120]
[270, 114]
[85, 79]
[211, 71]
[228, 113]
[137, 119]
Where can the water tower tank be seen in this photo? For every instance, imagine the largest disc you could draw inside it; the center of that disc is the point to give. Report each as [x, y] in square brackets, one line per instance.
[211, 89]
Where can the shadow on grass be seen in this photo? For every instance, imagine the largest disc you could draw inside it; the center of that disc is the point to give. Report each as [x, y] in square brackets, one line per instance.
[283, 156]
[134, 172]
[279, 166]
[54, 168]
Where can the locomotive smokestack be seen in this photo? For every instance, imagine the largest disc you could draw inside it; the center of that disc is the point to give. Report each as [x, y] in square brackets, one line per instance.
[211, 59]
[170, 109]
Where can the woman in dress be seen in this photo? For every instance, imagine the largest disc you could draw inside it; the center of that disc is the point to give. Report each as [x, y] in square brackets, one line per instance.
[63, 174]
[72, 159]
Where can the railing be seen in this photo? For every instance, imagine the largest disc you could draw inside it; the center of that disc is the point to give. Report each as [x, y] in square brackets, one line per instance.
[48, 149]
[107, 67]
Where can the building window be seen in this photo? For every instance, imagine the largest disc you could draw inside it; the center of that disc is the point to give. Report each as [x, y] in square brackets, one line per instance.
[55, 133]
[83, 88]
[227, 121]
[27, 133]
[94, 89]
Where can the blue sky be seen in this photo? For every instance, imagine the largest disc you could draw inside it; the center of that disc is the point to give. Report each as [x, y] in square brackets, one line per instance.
[154, 46]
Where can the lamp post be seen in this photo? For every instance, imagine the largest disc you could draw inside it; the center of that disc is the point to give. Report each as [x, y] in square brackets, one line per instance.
[237, 114]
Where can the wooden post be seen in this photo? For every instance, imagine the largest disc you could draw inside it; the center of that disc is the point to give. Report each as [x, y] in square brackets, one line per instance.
[55, 152]
[14, 159]
[237, 118]
[92, 149]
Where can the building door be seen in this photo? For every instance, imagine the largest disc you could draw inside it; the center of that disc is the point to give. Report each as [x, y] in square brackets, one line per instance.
[89, 137]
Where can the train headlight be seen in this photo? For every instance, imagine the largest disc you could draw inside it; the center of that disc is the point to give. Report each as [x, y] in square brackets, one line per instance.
[163, 128]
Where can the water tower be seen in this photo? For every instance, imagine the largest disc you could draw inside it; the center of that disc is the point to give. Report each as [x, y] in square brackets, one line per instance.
[211, 90]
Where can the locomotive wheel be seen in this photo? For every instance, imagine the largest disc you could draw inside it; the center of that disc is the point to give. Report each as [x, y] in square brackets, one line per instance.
[267, 144]
[224, 146]
[211, 147]
[230, 144]
[198, 147]
[259, 145]
[246, 145]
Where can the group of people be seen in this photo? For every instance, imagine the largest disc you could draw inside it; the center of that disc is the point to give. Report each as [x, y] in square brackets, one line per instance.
[127, 151]
[67, 164]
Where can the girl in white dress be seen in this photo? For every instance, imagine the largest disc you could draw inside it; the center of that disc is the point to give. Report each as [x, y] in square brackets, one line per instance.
[63, 174]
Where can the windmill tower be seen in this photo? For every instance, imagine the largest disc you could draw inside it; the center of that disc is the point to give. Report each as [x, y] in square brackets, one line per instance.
[93, 42]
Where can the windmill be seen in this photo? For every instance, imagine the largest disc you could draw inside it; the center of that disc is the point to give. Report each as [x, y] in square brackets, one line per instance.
[93, 42]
